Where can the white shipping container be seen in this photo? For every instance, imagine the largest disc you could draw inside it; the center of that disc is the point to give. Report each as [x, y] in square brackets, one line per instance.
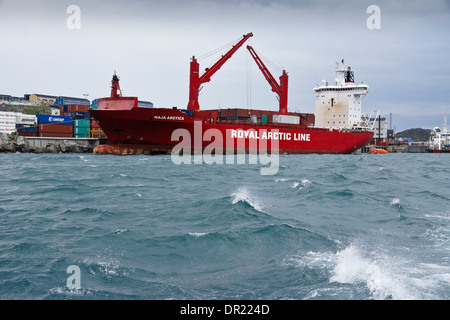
[7, 121]
[7, 114]
[281, 118]
[26, 118]
[7, 130]
[7, 125]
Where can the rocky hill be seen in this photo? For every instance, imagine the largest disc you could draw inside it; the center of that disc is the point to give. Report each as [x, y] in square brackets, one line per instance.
[417, 134]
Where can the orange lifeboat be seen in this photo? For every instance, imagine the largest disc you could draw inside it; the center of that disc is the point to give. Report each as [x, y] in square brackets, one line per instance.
[375, 150]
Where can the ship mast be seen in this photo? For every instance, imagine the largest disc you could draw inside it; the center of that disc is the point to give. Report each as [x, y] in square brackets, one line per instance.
[115, 87]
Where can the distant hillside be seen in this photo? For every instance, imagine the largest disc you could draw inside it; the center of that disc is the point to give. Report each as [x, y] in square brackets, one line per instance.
[417, 134]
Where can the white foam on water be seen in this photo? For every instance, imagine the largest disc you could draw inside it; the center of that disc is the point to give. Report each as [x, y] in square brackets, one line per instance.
[198, 234]
[386, 277]
[71, 292]
[306, 183]
[295, 185]
[242, 195]
[395, 202]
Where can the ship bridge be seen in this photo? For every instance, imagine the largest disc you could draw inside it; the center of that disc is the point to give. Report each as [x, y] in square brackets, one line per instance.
[339, 105]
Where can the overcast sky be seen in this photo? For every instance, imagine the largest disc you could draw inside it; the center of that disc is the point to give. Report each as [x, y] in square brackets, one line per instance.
[149, 44]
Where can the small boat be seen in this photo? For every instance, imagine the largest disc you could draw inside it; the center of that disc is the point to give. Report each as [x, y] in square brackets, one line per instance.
[376, 150]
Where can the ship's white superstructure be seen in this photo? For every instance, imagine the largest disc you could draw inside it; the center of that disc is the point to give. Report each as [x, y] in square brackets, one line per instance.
[339, 105]
[440, 139]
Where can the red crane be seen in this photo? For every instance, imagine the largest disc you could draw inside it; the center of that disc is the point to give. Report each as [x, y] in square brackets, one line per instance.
[195, 81]
[280, 89]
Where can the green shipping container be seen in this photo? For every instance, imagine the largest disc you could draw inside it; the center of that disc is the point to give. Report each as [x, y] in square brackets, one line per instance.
[82, 123]
[264, 119]
[78, 130]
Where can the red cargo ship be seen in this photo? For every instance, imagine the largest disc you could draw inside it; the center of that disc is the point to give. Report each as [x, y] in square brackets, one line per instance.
[135, 130]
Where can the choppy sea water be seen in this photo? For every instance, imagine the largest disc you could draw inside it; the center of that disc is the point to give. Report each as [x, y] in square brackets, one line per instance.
[140, 227]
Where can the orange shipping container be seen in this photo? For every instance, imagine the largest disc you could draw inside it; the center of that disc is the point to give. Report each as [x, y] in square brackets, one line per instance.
[78, 108]
[55, 135]
[55, 128]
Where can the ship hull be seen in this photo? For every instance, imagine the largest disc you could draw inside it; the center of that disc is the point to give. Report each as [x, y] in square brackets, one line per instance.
[159, 130]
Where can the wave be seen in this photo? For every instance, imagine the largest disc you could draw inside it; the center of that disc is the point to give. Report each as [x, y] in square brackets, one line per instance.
[396, 203]
[198, 234]
[244, 196]
[385, 276]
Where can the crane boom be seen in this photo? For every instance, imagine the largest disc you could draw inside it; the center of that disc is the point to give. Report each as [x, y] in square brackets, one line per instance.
[280, 89]
[195, 80]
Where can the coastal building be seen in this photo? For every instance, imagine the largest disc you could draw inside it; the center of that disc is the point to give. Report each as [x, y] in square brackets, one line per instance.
[5, 98]
[61, 101]
[41, 98]
[8, 99]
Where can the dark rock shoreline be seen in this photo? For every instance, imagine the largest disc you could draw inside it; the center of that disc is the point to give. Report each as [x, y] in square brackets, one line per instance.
[13, 144]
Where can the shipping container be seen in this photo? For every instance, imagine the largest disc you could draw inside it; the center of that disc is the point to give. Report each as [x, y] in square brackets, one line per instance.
[27, 129]
[80, 115]
[7, 122]
[55, 135]
[7, 130]
[26, 118]
[281, 118]
[49, 119]
[22, 125]
[77, 130]
[27, 134]
[55, 128]
[78, 108]
[7, 114]
[82, 123]
[62, 109]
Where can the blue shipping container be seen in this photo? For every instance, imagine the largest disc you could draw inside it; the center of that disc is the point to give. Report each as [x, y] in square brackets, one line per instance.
[49, 119]
[27, 129]
[80, 115]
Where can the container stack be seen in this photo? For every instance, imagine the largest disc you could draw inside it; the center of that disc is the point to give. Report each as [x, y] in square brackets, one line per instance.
[8, 122]
[81, 128]
[26, 125]
[55, 126]
[76, 111]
